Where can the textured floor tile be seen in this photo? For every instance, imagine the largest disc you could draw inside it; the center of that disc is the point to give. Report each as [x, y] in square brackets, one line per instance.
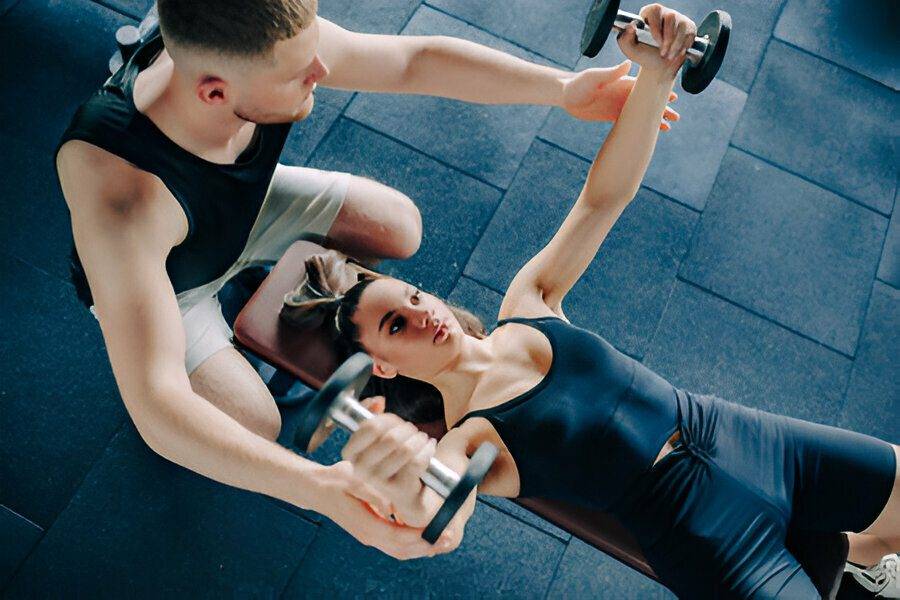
[787, 249]
[5, 5]
[587, 573]
[377, 16]
[18, 536]
[482, 301]
[486, 141]
[507, 506]
[499, 557]
[707, 345]
[831, 29]
[889, 268]
[306, 135]
[825, 123]
[624, 291]
[455, 208]
[872, 405]
[140, 524]
[552, 29]
[59, 405]
[686, 159]
[136, 8]
[34, 222]
[53, 55]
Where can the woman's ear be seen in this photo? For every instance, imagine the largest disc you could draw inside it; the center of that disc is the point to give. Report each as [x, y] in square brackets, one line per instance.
[384, 370]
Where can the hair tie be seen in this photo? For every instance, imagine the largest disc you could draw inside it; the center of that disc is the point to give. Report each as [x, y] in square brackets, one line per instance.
[337, 313]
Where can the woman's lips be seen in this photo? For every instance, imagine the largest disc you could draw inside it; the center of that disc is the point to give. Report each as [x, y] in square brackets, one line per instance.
[440, 334]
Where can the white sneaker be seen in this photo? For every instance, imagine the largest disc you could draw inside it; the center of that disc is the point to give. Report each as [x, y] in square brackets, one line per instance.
[883, 578]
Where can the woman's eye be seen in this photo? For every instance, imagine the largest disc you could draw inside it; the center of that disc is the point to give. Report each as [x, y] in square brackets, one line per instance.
[415, 298]
[396, 325]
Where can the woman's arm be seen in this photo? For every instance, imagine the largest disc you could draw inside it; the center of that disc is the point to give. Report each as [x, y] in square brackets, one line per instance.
[614, 179]
[389, 455]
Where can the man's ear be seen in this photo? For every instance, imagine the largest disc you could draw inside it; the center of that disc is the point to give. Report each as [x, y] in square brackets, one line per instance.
[384, 370]
[212, 90]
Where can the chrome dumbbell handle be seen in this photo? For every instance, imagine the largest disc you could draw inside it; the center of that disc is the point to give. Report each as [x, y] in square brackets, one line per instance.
[348, 413]
[623, 19]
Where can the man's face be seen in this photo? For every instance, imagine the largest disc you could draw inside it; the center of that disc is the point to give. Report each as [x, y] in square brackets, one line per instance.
[281, 91]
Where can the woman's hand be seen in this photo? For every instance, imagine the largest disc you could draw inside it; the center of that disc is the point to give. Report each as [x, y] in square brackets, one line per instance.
[672, 30]
[600, 94]
[390, 454]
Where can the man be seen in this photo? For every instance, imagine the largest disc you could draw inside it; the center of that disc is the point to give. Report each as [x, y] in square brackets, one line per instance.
[171, 177]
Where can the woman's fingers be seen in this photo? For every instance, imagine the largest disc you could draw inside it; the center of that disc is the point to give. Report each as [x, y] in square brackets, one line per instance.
[668, 33]
[670, 115]
[394, 462]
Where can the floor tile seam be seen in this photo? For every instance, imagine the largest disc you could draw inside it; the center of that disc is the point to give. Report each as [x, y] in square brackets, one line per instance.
[765, 318]
[117, 9]
[522, 520]
[805, 178]
[865, 315]
[329, 131]
[556, 569]
[888, 283]
[518, 45]
[440, 161]
[4, 11]
[490, 219]
[53, 523]
[762, 57]
[23, 517]
[829, 61]
[643, 185]
[300, 561]
[409, 17]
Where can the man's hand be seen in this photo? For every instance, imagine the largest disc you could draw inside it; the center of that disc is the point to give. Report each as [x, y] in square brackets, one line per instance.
[346, 497]
[600, 94]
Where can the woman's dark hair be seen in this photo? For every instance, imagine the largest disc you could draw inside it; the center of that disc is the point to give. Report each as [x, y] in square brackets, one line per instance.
[320, 301]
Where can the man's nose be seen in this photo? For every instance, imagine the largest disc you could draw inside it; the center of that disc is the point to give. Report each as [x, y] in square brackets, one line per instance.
[319, 71]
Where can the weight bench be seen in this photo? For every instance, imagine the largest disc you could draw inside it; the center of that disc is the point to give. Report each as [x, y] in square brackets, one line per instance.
[308, 355]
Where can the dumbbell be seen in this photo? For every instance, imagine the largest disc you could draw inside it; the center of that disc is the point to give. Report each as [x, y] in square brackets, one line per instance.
[704, 57]
[129, 38]
[338, 399]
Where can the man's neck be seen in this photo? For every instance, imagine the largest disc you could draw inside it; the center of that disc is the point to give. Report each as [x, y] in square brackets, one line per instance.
[165, 96]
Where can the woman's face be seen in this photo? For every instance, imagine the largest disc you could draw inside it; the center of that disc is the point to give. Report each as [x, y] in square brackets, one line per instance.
[405, 330]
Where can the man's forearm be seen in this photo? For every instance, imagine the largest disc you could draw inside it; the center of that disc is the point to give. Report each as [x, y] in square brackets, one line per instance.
[186, 429]
[455, 68]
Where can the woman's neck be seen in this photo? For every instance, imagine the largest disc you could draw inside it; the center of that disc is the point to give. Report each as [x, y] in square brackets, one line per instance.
[457, 383]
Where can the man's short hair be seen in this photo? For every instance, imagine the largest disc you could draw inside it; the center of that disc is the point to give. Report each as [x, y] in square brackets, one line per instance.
[235, 28]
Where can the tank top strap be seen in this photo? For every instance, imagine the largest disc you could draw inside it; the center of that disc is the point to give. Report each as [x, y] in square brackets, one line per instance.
[527, 320]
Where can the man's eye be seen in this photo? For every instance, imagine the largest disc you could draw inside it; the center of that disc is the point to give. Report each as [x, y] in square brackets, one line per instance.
[396, 325]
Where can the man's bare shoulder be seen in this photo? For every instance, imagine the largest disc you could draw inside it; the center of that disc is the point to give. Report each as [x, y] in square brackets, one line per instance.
[104, 188]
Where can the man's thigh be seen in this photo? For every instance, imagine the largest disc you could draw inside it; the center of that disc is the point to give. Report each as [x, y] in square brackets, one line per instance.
[229, 382]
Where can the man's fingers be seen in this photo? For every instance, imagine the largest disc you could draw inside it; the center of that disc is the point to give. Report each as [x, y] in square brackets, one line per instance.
[670, 115]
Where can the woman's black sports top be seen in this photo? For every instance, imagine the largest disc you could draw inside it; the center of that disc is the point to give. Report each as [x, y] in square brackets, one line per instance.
[221, 202]
[593, 424]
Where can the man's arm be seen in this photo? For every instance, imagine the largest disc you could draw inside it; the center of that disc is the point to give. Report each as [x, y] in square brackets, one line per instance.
[455, 68]
[123, 238]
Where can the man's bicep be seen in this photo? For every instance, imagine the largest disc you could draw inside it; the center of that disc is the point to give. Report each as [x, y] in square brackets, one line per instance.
[364, 61]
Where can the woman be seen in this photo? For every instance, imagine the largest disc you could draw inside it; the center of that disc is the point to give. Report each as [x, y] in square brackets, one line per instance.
[707, 487]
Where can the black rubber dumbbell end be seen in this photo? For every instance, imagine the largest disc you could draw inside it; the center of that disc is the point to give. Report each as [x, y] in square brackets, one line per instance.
[479, 465]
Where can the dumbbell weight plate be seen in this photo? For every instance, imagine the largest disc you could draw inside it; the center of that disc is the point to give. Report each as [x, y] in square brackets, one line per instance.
[716, 25]
[351, 376]
[479, 465]
[597, 26]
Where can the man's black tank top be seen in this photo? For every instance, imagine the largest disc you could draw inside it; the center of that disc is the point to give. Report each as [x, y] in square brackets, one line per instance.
[591, 427]
[221, 202]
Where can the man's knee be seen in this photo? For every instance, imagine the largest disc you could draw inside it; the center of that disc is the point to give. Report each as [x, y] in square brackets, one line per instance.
[408, 232]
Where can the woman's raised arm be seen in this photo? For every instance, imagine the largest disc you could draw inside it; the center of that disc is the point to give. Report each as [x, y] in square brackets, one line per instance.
[614, 178]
